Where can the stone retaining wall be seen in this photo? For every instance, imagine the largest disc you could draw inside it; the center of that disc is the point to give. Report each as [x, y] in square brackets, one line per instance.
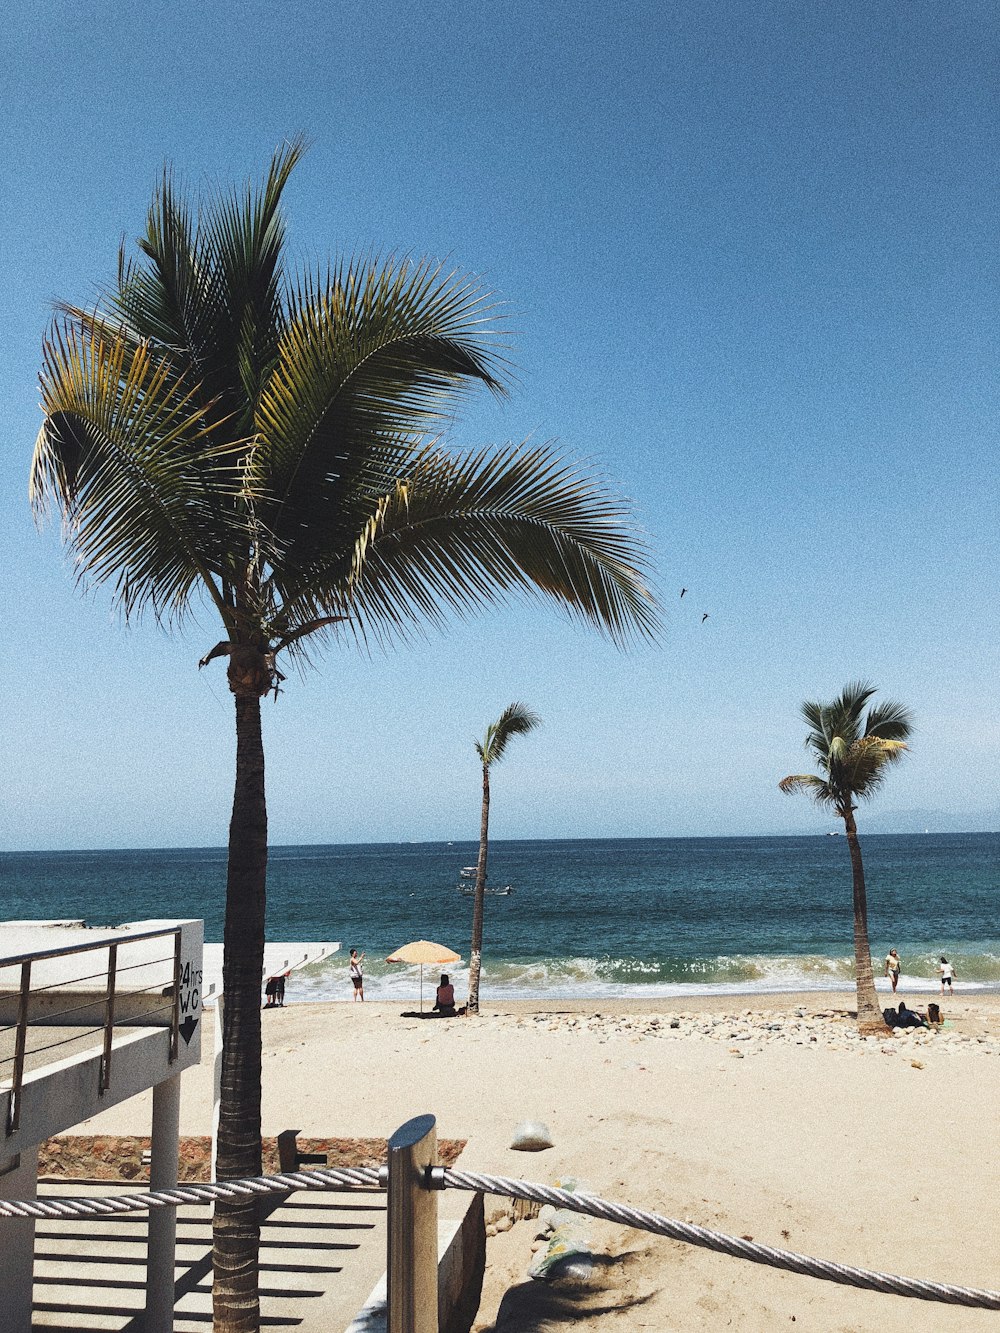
[119, 1157]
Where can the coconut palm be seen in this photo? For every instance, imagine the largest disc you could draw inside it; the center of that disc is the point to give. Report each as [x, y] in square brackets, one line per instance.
[515, 720]
[854, 752]
[223, 433]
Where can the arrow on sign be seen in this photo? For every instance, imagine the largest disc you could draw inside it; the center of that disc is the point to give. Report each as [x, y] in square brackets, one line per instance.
[187, 1028]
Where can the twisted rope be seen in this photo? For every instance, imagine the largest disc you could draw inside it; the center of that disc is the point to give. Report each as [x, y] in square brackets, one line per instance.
[714, 1240]
[371, 1178]
[343, 1178]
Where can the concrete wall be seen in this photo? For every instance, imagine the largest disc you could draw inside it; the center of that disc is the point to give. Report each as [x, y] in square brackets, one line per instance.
[89, 1008]
[460, 1271]
[461, 1265]
[18, 1180]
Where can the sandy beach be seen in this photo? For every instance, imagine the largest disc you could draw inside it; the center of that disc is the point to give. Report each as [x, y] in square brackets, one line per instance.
[760, 1116]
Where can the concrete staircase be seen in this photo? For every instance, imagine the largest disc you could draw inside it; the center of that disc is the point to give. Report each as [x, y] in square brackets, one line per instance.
[321, 1256]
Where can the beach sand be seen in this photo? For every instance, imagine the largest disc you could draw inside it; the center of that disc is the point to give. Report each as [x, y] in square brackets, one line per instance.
[758, 1116]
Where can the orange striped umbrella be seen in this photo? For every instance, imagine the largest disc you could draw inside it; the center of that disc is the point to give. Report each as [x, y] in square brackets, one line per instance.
[423, 951]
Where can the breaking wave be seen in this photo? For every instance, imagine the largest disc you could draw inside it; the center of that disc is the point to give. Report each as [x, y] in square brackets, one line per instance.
[636, 978]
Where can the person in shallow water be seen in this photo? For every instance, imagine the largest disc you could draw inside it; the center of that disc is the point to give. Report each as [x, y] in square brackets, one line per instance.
[357, 976]
[947, 975]
[892, 966]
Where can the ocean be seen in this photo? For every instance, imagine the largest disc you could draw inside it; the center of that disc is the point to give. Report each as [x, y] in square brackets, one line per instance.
[614, 918]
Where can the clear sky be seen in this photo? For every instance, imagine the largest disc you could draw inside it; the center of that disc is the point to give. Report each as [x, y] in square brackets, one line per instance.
[749, 255]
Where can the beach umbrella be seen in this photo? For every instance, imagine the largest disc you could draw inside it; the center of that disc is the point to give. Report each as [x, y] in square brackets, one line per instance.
[423, 951]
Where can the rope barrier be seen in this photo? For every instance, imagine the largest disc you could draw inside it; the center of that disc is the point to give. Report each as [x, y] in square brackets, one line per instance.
[343, 1178]
[714, 1240]
[347, 1179]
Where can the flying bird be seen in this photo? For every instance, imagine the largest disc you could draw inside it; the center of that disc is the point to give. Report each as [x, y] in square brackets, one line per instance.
[704, 617]
[683, 591]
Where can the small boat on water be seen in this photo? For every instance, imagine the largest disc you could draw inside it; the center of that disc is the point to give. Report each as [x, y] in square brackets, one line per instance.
[467, 884]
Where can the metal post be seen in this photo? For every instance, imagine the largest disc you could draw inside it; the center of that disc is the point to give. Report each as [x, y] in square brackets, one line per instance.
[109, 1019]
[17, 1077]
[412, 1239]
[162, 1234]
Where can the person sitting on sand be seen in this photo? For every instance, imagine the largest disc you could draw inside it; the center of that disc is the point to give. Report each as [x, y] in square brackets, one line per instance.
[444, 1000]
[947, 975]
[892, 968]
[909, 1018]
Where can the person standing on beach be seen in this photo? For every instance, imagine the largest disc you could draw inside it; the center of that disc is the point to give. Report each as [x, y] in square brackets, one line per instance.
[892, 966]
[947, 975]
[357, 976]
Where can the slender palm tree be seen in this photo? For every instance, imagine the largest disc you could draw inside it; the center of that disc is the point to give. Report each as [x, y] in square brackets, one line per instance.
[221, 432]
[854, 753]
[515, 720]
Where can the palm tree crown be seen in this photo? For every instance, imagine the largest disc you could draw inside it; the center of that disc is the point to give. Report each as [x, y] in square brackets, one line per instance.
[515, 720]
[853, 751]
[220, 425]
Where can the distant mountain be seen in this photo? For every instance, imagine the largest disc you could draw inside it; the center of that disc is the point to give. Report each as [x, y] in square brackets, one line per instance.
[933, 821]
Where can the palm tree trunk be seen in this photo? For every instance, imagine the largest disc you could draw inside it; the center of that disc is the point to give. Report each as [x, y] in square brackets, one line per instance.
[476, 961]
[236, 1229]
[870, 1020]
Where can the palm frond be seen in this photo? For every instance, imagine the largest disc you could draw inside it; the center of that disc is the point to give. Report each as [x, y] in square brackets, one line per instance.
[848, 709]
[464, 533]
[370, 360]
[814, 714]
[210, 286]
[161, 299]
[838, 749]
[889, 721]
[870, 760]
[515, 720]
[810, 784]
[125, 456]
[246, 237]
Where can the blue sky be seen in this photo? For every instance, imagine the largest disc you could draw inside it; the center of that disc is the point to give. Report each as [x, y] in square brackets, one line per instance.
[749, 259]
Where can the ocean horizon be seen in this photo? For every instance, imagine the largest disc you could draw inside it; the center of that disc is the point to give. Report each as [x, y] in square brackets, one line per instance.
[622, 918]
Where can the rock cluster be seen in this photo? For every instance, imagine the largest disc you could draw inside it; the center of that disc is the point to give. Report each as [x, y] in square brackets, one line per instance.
[749, 1031]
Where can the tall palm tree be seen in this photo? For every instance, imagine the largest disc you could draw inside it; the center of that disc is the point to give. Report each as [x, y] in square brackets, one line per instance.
[221, 432]
[854, 753]
[515, 720]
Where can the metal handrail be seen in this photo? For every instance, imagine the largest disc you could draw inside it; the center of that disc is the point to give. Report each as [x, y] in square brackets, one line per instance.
[92, 1003]
[37, 955]
[93, 976]
[52, 1014]
[78, 1035]
[112, 945]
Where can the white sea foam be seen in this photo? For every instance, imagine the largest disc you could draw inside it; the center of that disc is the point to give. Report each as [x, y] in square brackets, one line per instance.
[603, 978]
